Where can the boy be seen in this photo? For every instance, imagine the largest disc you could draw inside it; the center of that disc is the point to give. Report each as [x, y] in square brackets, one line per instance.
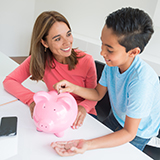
[133, 86]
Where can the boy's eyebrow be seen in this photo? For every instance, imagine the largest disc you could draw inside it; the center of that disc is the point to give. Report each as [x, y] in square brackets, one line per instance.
[59, 34]
[106, 44]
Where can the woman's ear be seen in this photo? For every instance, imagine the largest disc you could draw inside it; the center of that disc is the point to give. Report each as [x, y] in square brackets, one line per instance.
[44, 43]
[134, 52]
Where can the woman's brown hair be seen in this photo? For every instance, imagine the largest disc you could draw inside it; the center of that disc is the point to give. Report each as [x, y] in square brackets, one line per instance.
[39, 56]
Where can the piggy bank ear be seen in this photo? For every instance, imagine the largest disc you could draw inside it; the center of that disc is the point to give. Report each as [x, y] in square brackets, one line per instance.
[67, 101]
[40, 96]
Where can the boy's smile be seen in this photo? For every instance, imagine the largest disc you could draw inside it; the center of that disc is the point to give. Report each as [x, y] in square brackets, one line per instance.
[114, 53]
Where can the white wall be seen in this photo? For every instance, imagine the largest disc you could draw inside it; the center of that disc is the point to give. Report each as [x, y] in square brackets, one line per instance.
[16, 21]
[156, 15]
[152, 52]
[86, 18]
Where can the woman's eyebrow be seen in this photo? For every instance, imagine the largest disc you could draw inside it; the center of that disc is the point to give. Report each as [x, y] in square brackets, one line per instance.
[59, 34]
[69, 31]
[56, 36]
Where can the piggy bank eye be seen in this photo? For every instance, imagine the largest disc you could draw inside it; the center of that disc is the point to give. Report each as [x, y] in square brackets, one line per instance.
[44, 106]
[54, 109]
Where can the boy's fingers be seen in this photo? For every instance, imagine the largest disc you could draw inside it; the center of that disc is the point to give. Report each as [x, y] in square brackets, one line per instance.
[58, 144]
[63, 152]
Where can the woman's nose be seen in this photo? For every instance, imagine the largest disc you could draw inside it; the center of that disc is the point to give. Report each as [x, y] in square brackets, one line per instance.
[66, 41]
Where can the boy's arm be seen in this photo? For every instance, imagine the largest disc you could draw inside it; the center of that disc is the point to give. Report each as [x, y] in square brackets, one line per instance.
[114, 139]
[87, 93]
[117, 138]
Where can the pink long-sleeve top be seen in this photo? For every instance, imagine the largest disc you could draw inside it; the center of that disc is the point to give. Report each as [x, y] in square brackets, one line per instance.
[83, 75]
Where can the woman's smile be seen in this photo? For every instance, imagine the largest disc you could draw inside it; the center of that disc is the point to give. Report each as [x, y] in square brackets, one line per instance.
[66, 49]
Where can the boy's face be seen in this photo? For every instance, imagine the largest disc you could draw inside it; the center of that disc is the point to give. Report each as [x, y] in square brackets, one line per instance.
[113, 53]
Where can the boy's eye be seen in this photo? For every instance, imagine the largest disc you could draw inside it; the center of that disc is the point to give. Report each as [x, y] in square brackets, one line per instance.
[109, 51]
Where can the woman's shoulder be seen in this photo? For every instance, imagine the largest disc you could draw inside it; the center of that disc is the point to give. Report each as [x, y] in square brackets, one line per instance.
[27, 60]
[83, 54]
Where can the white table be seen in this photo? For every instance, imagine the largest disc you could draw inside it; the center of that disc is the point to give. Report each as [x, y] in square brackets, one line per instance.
[7, 65]
[29, 144]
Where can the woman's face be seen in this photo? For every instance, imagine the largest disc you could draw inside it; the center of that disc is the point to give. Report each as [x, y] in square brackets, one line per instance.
[59, 40]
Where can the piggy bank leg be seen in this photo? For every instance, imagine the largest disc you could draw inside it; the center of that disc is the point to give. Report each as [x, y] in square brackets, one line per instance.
[60, 134]
[39, 130]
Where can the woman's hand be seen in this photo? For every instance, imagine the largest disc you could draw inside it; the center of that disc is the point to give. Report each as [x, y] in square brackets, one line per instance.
[80, 117]
[70, 148]
[64, 86]
[32, 105]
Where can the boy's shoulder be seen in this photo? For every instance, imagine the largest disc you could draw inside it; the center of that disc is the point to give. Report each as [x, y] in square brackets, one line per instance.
[138, 70]
[142, 71]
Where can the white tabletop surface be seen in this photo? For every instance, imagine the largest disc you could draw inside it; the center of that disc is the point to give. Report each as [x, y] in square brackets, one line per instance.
[29, 144]
[7, 65]
[4, 96]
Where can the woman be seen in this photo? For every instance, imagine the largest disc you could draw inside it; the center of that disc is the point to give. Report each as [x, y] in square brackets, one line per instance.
[51, 60]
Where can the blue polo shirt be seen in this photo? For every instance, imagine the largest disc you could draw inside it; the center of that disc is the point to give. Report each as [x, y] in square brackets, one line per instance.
[135, 93]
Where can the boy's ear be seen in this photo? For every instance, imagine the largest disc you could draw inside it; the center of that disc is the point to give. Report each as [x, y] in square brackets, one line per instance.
[134, 52]
[44, 43]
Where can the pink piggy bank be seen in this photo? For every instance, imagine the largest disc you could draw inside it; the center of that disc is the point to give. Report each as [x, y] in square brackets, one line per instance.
[53, 112]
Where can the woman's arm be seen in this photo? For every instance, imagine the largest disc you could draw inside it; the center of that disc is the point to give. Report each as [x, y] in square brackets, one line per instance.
[90, 82]
[12, 83]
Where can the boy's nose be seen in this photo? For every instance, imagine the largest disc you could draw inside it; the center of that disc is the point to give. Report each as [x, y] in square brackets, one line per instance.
[102, 52]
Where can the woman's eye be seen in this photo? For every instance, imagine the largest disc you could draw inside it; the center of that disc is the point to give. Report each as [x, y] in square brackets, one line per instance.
[58, 39]
[69, 34]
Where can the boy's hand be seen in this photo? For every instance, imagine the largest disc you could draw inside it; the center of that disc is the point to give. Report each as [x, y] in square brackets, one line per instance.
[64, 86]
[70, 148]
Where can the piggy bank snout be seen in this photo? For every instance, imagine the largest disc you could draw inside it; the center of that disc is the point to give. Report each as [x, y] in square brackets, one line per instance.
[45, 125]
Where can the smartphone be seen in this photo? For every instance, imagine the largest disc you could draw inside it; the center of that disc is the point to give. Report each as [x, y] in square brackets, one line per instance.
[8, 126]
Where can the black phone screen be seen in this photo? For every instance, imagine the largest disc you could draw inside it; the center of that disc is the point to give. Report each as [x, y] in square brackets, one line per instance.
[8, 126]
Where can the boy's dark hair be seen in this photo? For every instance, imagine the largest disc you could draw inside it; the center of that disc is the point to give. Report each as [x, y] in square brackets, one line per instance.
[133, 27]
